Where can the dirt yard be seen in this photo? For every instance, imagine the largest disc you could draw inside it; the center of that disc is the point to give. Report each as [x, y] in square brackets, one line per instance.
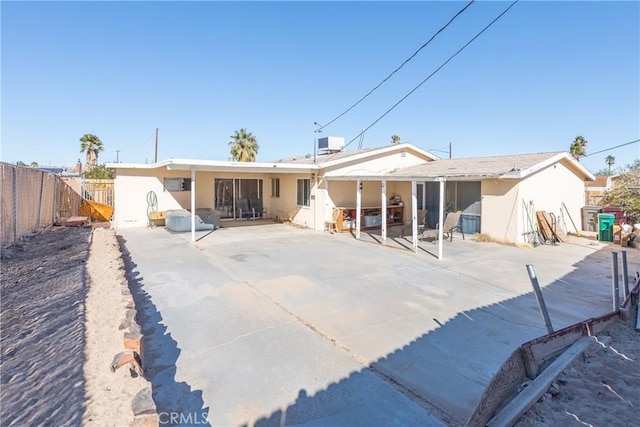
[60, 310]
[601, 388]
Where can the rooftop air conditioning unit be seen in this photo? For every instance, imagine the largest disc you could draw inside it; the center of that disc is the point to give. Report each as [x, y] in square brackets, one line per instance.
[331, 143]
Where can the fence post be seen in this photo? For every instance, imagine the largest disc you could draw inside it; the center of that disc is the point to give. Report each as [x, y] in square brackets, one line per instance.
[614, 281]
[15, 203]
[40, 201]
[55, 199]
[538, 292]
[625, 274]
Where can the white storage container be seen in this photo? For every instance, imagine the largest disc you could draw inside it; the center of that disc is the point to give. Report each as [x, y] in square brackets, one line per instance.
[373, 220]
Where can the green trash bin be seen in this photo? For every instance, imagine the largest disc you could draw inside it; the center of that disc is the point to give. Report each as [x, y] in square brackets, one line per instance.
[605, 227]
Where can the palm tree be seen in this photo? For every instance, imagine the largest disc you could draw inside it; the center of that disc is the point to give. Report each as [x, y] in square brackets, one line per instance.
[244, 146]
[395, 139]
[610, 160]
[92, 145]
[578, 147]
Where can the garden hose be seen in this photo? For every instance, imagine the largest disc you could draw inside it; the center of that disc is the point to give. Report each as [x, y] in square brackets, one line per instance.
[152, 205]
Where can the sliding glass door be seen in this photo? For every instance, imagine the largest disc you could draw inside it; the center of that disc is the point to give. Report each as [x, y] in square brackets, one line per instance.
[228, 190]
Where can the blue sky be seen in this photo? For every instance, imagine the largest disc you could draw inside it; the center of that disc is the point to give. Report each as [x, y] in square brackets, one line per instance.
[543, 74]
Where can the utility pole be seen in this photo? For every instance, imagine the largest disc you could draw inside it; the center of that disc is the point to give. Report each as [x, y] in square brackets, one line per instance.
[449, 149]
[117, 156]
[155, 158]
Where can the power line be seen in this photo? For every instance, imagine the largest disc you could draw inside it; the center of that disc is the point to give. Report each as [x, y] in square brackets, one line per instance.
[401, 65]
[611, 148]
[437, 69]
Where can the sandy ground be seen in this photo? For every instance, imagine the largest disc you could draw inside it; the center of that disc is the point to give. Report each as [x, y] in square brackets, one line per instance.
[601, 388]
[61, 306]
[109, 395]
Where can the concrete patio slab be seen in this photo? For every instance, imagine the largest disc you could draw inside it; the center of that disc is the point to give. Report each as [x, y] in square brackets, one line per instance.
[278, 323]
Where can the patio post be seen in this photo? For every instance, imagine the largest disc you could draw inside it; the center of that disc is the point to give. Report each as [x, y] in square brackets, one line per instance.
[441, 218]
[328, 208]
[358, 206]
[414, 215]
[193, 204]
[383, 186]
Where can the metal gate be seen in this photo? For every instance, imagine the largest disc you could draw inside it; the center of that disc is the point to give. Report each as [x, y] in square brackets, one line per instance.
[98, 190]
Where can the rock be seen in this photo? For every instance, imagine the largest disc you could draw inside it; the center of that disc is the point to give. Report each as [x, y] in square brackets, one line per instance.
[128, 357]
[143, 403]
[129, 317]
[6, 253]
[133, 341]
[135, 328]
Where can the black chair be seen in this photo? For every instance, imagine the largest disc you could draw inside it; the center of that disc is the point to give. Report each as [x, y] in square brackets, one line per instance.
[257, 209]
[242, 209]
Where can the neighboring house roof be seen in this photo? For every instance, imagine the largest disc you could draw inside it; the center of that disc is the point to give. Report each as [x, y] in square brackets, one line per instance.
[600, 181]
[51, 169]
[292, 164]
[504, 167]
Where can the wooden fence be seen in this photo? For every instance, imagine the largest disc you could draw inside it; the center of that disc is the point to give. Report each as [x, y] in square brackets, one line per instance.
[32, 199]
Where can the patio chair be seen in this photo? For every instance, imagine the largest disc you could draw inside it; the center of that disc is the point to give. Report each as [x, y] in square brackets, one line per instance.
[422, 224]
[257, 209]
[332, 224]
[242, 209]
[451, 224]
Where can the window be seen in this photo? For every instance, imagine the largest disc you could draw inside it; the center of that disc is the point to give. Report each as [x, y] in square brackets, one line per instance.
[177, 184]
[304, 192]
[275, 187]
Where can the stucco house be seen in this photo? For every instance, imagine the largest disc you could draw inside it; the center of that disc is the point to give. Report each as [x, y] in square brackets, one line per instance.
[504, 190]
[492, 192]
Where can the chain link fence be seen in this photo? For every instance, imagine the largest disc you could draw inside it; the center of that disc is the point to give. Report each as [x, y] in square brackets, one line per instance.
[33, 199]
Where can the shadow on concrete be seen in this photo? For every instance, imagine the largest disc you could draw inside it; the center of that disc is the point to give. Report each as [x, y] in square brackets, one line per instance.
[397, 239]
[44, 286]
[176, 402]
[446, 370]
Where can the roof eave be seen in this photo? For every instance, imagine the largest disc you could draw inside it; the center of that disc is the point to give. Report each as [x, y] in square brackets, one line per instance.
[221, 166]
[379, 151]
[555, 159]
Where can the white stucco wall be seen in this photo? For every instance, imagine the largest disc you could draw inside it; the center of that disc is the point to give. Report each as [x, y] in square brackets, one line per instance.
[503, 213]
[500, 209]
[131, 189]
[285, 207]
[551, 187]
[133, 185]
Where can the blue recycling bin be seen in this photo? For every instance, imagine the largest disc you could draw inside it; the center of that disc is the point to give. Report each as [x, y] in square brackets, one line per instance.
[470, 223]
